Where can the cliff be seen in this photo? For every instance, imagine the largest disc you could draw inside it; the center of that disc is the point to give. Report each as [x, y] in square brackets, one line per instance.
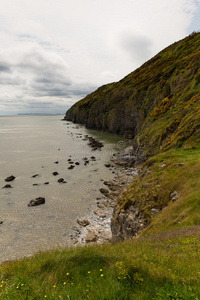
[158, 107]
[158, 102]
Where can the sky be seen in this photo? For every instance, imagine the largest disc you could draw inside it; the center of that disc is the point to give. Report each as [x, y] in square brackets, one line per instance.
[55, 52]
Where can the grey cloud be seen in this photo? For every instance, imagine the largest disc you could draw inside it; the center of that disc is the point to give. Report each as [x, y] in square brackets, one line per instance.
[139, 47]
[4, 68]
[39, 82]
[10, 81]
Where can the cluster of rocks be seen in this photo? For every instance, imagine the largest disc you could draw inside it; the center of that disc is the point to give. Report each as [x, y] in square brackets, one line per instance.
[130, 156]
[96, 228]
[94, 144]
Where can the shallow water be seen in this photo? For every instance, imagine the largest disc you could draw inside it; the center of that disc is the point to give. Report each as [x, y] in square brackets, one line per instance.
[31, 145]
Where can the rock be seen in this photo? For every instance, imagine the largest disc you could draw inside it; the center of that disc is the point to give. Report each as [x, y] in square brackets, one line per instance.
[37, 201]
[105, 236]
[113, 186]
[71, 162]
[35, 184]
[77, 163]
[71, 167]
[174, 196]
[154, 211]
[104, 192]
[1, 222]
[83, 223]
[162, 166]
[181, 165]
[100, 213]
[7, 186]
[46, 182]
[36, 175]
[107, 165]
[91, 237]
[101, 206]
[10, 178]
[94, 144]
[60, 180]
[126, 223]
[55, 173]
[56, 162]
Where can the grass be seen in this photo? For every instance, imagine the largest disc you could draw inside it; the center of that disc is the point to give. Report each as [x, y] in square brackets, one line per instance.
[153, 267]
[171, 171]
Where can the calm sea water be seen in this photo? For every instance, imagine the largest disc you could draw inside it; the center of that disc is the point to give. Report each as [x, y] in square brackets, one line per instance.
[31, 145]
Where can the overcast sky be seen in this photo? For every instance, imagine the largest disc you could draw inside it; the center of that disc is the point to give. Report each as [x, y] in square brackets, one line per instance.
[54, 52]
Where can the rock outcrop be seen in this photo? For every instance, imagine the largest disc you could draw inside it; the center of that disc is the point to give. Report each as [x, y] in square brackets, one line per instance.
[126, 223]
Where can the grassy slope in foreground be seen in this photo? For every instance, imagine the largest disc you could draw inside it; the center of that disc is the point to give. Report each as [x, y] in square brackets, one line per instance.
[165, 266]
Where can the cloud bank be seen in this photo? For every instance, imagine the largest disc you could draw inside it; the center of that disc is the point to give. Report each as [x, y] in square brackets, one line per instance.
[53, 53]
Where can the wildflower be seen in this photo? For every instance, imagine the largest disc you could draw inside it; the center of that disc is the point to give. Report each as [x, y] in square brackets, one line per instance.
[88, 272]
[54, 286]
[2, 281]
[45, 296]
[64, 282]
[100, 270]
[101, 275]
[17, 287]
[67, 274]
[22, 284]
[1, 286]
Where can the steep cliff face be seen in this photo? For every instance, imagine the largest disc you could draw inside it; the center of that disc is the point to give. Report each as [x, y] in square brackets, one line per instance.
[158, 107]
[154, 103]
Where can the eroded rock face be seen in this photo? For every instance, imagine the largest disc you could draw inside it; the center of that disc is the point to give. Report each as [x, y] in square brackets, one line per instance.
[126, 223]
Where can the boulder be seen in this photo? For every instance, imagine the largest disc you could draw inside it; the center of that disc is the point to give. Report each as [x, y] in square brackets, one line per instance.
[37, 201]
[71, 167]
[7, 186]
[55, 173]
[91, 237]
[36, 175]
[83, 223]
[100, 213]
[104, 191]
[174, 196]
[107, 165]
[61, 180]
[10, 178]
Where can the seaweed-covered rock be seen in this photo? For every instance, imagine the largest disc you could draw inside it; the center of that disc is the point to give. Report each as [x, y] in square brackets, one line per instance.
[37, 201]
[10, 178]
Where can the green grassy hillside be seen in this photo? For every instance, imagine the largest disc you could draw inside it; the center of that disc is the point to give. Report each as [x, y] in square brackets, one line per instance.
[163, 266]
[159, 103]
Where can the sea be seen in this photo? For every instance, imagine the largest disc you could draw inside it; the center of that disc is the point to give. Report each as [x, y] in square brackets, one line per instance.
[40, 145]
